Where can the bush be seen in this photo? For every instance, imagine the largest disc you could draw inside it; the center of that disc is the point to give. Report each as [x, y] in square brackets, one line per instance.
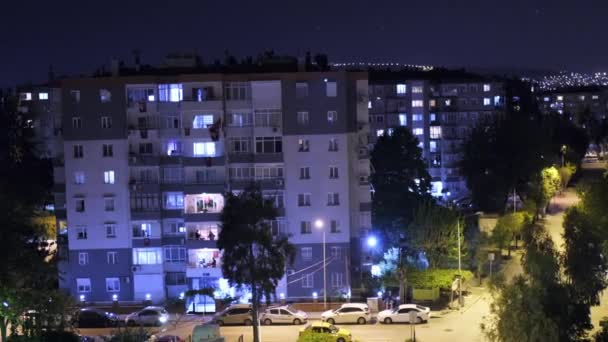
[435, 278]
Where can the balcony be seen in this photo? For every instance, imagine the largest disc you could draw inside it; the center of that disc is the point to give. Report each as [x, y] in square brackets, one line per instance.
[202, 235]
[136, 159]
[266, 184]
[211, 104]
[204, 262]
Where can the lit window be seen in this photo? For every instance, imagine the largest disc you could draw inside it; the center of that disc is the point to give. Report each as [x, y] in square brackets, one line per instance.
[447, 102]
[332, 116]
[331, 89]
[170, 92]
[433, 146]
[204, 149]
[402, 120]
[173, 200]
[43, 96]
[303, 118]
[595, 97]
[582, 97]
[432, 117]
[420, 144]
[202, 121]
[401, 89]
[487, 101]
[147, 256]
[432, 103]
[369, 104]
[496, 100]
[112, 284]
[105, 95]
[435, 132]
[486, 87]
[25, 96]
[83, 285]
[417, 103]
[379, 132]
[390, 131]
[560, 98]
[417, 89]
[174, 148]
[108, 177]
[418, 131]
[303, 145]
[547, 99]
[417, 117]
[78, 177]
[83, 258]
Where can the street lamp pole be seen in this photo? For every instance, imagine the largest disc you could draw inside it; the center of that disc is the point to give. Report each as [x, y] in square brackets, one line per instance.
[459, 265]
[319, 224]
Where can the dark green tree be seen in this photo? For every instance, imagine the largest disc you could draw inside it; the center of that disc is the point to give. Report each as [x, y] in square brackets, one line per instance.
[400, 181]
[251, 255]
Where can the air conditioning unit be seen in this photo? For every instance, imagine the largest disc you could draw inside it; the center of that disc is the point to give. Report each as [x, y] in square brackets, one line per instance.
[280, 182]
[135, 268]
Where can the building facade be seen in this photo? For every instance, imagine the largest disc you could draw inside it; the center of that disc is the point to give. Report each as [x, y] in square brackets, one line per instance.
[145, 161]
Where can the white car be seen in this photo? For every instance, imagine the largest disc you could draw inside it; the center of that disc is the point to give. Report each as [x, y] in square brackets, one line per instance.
[348, 313]
[285, 314]
[401, 314]
[150, 315]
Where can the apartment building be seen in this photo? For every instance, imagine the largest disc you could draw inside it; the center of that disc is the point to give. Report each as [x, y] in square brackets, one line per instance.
[574, 102]
[146, 159]
[441, 112]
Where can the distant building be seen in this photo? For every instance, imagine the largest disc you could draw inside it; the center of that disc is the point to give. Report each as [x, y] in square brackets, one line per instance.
[574, 101]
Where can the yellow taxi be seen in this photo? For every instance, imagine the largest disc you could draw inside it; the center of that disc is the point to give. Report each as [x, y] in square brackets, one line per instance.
[324, 332]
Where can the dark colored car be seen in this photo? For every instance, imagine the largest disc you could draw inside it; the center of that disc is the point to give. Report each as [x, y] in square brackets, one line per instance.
[94, 318]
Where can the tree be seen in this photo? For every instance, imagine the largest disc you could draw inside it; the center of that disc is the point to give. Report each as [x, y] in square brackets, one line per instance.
[565, 174]
[544, 186]
[434, 231]
[251, 255]
[400, 181]
[507, 228]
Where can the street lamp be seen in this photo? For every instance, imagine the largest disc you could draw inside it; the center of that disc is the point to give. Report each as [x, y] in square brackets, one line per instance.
[372, 241]
[319, 225]
[563, 151]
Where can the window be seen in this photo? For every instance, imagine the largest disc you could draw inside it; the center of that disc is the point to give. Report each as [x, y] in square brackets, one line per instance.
[417, 117]
[333, 198]
[401, 89]
[304, 200]
[109, 203]
[112, 258]
[110, 230]
[402, 120]
[417, 89]
[175, 278]
[172, 175]
[333, 145]
[238, 91]
[379, 132]
[333, 172]
[435, 132]
[78, 177]
[202, 121]
[140, 95]
[43, 96]
[107, 150]
[78, 151]
[337, 279]
[80, 206]
[276, 197]
[241, 173]
[335, 251]
[240, 145]
[331, 88]
[25, 96]
[170, 92]
[308, 281]
[379, 118]
[147, 256]
[268, 145]
[170, 122]
[83, 285]
[240, 119]
[206, 176]
[418, 131]
[173, 200]
[83, 258]
[486, 87]
[305, 172]
[595, 97]
[204, 149]
[560, 98]
[432, 103]
[105, 95]
[174, 228]
[175, 254]
[112, 284]
[303, 145]
[332, 116]
[145, 148]
[301, 90]
[369, 104]
[433, 146]
[487, 101]
[334, 226]
[305, 227]
[432, 117]
[108, 177]
[267, 118]
[306, 253]
[75, 96]
[417, 103]
[303, 118]
[76, 122]
[143, 230]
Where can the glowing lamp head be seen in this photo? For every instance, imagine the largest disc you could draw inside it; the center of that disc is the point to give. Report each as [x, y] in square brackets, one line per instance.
[379, 293]
[182, 295]
[372, 241]
[162, 319]
[114, 297]
[315, 295]
[148, 296]
[282, 295]
[82, 298]
[319, 223]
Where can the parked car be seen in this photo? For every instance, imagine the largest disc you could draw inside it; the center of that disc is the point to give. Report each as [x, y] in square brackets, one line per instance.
[323, 331]
[401, 314]
[206, 332]
[348, 313]
[168, 338]
[150, 315]
[234, 314]
[94, 318]
[283, 314]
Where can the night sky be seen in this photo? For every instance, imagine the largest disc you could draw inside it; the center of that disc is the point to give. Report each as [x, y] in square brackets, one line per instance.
[79, 36]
